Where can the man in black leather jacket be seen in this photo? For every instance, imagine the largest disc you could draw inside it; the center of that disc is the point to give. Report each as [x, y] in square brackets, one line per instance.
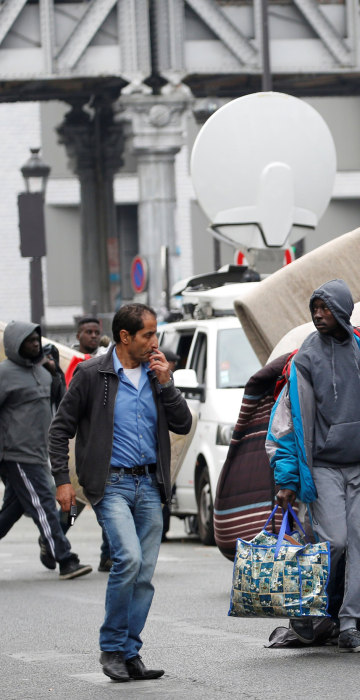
[121, 407]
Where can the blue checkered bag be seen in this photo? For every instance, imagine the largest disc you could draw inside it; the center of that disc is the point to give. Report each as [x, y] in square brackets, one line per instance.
[280, 575]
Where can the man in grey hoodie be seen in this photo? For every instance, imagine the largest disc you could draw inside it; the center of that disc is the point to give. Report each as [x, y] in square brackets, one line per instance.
[314, 445]
[25, 417]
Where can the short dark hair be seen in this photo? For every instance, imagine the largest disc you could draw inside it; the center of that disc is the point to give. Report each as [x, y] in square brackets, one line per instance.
[130, 318]
[87, 319]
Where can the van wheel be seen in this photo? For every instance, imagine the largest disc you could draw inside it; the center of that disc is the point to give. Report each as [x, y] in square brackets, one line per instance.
[205, 508]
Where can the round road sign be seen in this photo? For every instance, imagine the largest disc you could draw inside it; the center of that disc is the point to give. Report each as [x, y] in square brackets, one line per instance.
[138, 274]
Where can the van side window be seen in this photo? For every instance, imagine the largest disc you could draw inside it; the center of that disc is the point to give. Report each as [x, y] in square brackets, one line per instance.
[183, 348]
[199, 357]
[178, 342]
[236, 360]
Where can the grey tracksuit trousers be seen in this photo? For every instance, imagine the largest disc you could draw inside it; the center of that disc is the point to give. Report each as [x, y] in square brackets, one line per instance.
[336, 518]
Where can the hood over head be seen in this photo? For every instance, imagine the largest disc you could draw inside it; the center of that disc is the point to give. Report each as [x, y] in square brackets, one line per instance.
[14, 335]
[337, 297]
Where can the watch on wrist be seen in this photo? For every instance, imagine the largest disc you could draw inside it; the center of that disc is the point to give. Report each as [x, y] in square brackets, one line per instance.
[167, 384]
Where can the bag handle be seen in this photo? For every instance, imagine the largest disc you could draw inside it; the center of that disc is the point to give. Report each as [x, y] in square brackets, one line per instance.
[290, 509]
[272, 514]
[292, 512]
[285, 528]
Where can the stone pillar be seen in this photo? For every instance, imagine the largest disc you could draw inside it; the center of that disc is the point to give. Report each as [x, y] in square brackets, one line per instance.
[94, 144]
[155, 126]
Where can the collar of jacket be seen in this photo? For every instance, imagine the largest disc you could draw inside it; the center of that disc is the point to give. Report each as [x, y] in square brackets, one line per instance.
[105, 362]
[106, 365]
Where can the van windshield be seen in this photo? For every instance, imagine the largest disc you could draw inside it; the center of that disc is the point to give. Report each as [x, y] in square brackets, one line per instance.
[236, 360]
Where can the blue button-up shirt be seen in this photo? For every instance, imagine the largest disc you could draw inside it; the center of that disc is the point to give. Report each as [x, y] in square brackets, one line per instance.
[135, 420]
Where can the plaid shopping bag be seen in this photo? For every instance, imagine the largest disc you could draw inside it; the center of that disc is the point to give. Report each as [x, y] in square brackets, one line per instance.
[280, 575]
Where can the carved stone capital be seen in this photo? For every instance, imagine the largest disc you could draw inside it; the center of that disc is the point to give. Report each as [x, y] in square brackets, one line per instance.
[154, 123]
[92, 139]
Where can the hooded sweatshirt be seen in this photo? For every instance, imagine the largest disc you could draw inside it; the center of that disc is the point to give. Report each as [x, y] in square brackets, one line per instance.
[333, 368]
[25, 411]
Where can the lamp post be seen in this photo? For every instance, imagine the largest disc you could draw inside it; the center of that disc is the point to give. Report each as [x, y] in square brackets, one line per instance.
[32, 227]
[266, 84]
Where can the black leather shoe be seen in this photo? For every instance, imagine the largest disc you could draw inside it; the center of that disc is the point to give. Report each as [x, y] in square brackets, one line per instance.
[138, 672]
[114, 666]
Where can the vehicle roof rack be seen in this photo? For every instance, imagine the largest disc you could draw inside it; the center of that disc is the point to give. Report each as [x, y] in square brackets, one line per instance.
[229, 274]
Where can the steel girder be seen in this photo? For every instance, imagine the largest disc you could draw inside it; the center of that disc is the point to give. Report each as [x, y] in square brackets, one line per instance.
[84, 31]
[312, 12]
[131, 39]
[134, 39]
[169, 36]
[10, 11]
[47, 30]
[133, 35]
[224, 28]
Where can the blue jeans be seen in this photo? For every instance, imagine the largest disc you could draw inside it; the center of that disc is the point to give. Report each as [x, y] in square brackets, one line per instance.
[131, 516]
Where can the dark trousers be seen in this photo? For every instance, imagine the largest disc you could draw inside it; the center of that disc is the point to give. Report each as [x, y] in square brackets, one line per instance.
[28, 491]
[12, 510]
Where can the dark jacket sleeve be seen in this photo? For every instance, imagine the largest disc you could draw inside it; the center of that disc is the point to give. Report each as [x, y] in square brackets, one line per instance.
[63, 428]
[177, 412]
[58, 388]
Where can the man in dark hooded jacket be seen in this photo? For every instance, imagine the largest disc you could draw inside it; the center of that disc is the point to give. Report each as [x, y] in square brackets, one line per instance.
[313, 444]
[25, 417]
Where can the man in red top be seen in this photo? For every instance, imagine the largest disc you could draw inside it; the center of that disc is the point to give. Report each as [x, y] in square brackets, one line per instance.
[88, 336]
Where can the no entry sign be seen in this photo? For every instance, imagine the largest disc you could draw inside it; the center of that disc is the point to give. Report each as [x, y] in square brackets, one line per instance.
[139, 274]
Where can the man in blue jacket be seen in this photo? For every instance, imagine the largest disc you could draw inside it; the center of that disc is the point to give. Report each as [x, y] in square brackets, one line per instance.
[313, 444]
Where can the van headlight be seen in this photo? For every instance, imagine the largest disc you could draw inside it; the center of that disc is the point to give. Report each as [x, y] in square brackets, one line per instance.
[224, 433]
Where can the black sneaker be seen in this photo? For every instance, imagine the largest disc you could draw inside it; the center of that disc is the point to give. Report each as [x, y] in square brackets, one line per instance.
[71, 568]
[303, 628]
[46, 557]
[349, 640]
[114, 665]
[105, 564]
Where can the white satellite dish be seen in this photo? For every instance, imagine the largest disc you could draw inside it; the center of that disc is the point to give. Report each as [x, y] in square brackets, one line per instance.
[263, 169]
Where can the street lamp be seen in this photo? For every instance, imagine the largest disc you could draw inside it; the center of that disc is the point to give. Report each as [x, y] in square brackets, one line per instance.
[35, 172]
[32, 227]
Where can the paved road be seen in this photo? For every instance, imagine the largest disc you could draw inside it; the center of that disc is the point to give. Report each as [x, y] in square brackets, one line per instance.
[49, 632]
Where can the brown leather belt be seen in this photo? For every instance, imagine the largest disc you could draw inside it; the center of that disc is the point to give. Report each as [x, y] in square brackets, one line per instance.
[137, 470]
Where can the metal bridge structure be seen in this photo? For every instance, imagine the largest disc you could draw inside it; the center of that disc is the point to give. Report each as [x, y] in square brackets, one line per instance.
[134, 68]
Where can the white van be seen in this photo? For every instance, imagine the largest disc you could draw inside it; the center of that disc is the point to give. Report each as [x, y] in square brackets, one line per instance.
[216, 361]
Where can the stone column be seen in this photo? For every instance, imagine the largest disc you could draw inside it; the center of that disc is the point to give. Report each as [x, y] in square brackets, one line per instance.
[155, 126]
[94, 144]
